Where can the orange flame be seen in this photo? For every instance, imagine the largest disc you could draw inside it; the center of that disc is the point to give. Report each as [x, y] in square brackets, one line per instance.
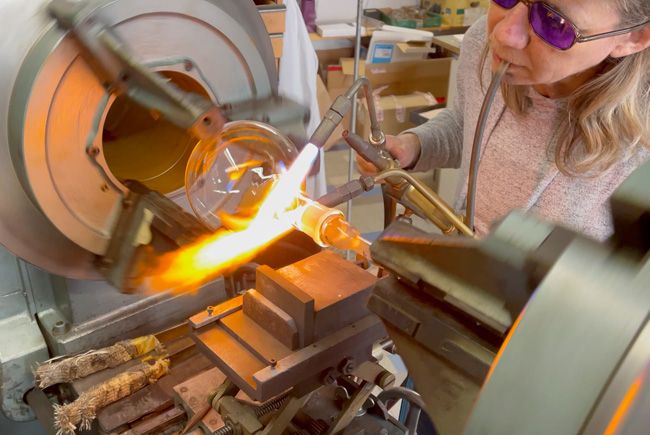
[194, 264]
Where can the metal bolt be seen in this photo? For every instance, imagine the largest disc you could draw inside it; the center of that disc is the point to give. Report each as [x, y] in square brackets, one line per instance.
[273, 362]
[210, 310]
[347, 366]
[385, 379]
[60, 327]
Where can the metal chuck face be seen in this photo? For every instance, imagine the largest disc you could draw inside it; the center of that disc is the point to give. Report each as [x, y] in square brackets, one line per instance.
[72, 141]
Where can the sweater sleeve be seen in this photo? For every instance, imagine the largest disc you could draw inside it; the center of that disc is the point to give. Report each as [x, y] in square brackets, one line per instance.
[441, 138]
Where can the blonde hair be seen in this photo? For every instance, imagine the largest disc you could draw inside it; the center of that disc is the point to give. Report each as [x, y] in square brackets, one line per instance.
[605, 117]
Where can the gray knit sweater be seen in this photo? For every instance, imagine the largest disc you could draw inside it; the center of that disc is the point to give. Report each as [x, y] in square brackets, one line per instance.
[517, 168]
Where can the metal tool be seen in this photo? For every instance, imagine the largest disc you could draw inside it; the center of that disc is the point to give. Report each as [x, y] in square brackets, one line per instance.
[448, 320]
[340, 107]
[402, 187]
[291, 329]
[227, 388]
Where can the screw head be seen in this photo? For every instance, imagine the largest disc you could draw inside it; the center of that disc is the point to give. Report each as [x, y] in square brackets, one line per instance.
[60, 327]
[347, 366]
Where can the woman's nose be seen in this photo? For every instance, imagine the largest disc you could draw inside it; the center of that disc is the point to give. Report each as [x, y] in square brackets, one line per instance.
[513, 30]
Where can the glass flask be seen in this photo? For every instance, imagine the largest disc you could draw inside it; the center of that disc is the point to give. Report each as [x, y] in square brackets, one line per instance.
[226, 179]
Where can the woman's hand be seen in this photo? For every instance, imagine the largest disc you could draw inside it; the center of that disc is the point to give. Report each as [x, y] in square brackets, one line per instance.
[405, 148]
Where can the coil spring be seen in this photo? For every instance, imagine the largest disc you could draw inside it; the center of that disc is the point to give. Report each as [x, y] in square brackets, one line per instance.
[270, 406]
[260, 411]
[226, 430]
[317, 427]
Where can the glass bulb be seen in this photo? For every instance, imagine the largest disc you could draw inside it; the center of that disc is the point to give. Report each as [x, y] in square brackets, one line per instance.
[226, 179]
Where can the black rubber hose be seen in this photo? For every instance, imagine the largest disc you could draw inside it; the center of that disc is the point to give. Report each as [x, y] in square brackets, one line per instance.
[417, 404]
[478, 138]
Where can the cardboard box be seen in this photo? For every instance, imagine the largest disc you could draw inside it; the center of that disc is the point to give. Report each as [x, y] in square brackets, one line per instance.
[331, 56]
[452, 11]
[400, 78]
[410, 17]
[385, 46]
[337, 84]
[393, 112]
[400, 87]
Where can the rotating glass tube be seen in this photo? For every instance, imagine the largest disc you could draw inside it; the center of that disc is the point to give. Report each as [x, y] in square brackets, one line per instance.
[328, 227]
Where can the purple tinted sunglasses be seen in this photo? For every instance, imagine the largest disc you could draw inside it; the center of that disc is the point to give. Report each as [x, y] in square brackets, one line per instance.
[554, 28]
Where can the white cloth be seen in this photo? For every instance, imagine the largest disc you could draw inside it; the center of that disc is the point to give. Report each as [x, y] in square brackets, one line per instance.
[298, 72]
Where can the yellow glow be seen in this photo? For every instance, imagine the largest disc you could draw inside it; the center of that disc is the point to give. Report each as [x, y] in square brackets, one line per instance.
[624, 407]
[195, 264]
[328, 227]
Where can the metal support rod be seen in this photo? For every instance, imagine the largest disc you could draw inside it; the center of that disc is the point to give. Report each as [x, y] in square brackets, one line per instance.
[478, 139]
[430, 196]
[390, 206]
[353, 117]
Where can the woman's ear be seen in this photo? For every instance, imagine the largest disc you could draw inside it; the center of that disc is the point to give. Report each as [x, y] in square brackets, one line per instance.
[634, 42]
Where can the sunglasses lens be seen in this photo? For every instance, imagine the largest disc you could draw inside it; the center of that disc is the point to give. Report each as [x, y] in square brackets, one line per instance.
[551, 26]
[506, 4]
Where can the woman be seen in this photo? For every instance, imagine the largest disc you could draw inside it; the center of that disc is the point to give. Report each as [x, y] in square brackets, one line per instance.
[571, 123]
